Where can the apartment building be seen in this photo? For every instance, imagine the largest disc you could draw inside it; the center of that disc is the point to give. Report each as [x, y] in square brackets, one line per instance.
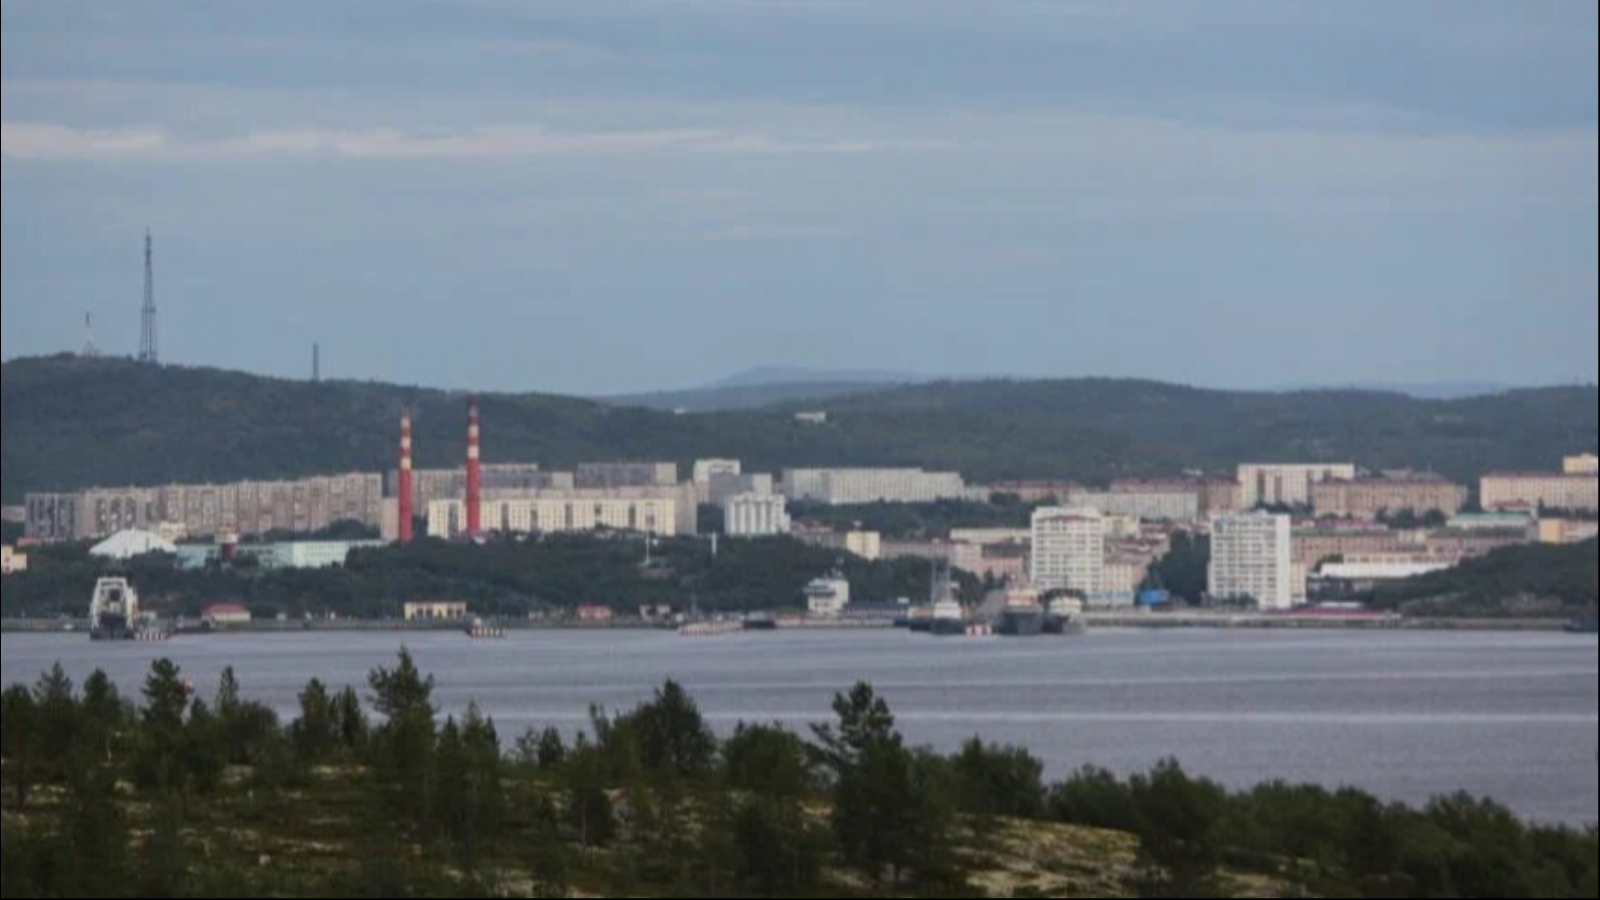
[850, 487]
[579, 511]
[1541, 490]
[1252, 559]
[756, 515]
[1148, 506]
[1069, 551]
[1286, 485]
[1370, 498]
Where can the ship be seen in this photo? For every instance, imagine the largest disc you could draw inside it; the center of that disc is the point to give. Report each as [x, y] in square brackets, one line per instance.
[1022, 616]
[114, 614]
[949, 619]
[1584, 626]
[1065, 617]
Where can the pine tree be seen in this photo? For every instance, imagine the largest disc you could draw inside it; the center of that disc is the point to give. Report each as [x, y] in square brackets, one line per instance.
[20, 740]
[315, 733]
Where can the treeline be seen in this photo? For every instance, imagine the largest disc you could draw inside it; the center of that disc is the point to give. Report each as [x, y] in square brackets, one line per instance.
[184, 797]
[1531, 580]
[73, 423]
[503, 579]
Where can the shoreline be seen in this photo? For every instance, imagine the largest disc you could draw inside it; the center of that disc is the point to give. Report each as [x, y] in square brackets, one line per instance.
[1108, 621]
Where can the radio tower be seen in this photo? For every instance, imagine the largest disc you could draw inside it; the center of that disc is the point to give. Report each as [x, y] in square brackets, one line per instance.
[149, 350]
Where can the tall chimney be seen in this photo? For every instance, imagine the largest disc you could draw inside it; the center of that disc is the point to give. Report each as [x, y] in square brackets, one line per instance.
[407, 498]
[474, 471]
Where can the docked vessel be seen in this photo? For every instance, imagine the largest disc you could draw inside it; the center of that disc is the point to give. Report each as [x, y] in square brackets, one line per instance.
[949, 619]
[1584, 626]
[1023, 616]
[479, 630]
[114, 614]
[1065, 617]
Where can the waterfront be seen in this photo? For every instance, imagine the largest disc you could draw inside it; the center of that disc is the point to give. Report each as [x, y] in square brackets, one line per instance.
[1407, 715]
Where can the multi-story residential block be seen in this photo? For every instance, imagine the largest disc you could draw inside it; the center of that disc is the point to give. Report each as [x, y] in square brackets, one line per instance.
[1150, 506]
[244, 508]
[610, 475]
[848, 487]
[12, 562]
[1455, 546]
[1541, 490]
[720, 487]
[1370, 498]
[1006, 562]
[1586, 464]
[579, 511]
[1286, 485]
[1036, 491]
[1316, 544]
[1567, 531]
[1125, 575]
[1215, 496]
[755, 515]
[1252, 559]
[1069, 551]
[986, 536]
[707, 469]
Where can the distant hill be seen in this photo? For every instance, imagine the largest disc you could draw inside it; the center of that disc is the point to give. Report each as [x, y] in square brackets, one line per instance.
[70, 423]
[760, 388]
[740, 398]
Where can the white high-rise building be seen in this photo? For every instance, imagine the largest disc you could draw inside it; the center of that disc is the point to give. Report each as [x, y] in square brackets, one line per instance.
[1069, 551]
[1252, 558]
[1288, 485]
[755, 515]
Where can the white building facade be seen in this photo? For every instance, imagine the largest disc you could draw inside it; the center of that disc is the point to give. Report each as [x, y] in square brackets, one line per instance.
[756, 516]
[1252, 558]
[851, 487]
[1287, 485]
[1069, 551]
[447, 518]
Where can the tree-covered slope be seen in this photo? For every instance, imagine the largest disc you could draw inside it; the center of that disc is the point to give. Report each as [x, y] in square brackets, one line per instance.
[70, 423]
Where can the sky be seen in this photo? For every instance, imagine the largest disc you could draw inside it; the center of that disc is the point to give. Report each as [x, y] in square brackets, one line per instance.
[610, 196]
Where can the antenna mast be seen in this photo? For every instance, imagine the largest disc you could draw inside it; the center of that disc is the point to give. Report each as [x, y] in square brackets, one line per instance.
[149, 350]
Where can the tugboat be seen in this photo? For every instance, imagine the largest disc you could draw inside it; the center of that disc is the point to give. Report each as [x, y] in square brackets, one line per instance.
[949, 617]
[1023, 615]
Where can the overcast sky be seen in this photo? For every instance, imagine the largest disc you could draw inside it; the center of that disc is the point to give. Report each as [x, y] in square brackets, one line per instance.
[591, 196]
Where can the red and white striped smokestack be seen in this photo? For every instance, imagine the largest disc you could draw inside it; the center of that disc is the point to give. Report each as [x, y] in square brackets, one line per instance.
[407, 497]
[474, 471]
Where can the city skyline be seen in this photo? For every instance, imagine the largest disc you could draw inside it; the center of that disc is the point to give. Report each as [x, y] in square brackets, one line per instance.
[614, 197]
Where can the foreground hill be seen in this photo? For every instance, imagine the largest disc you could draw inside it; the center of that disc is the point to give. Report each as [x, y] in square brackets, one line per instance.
[71, 423]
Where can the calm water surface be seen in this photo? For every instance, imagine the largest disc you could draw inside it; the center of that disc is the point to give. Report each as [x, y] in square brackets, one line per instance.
[1406, 716]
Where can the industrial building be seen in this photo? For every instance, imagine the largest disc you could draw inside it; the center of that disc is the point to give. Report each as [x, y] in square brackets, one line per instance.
[1252, 560]
[1069, 551]
[1286, 485]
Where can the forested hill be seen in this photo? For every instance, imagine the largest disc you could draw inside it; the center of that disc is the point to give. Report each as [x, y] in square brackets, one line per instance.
[70, 423]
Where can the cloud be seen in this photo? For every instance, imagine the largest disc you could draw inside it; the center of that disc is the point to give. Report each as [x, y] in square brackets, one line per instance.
[36, 142]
